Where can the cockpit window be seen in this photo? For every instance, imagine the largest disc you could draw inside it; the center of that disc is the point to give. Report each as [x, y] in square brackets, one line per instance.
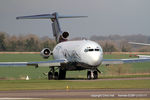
[96, 49]
[86, 50]
[91, 49]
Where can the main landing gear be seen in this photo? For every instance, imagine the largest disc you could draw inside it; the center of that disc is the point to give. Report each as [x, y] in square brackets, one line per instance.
[92, 74]
[52, 74]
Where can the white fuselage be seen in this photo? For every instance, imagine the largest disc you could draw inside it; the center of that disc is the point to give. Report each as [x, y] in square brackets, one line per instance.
[85, 53]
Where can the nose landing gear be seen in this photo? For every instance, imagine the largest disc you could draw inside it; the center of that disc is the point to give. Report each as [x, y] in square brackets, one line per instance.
[92, 74]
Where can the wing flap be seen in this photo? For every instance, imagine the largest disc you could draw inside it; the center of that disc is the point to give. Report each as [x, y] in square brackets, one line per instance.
[48, 63]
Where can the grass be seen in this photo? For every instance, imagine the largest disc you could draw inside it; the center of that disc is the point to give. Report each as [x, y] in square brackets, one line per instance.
[61, 84]
[125, 70]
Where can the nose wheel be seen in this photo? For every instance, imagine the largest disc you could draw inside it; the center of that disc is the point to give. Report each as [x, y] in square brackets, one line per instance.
[92, 74]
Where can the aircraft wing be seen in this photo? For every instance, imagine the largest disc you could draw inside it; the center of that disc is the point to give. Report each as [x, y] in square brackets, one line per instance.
[144, 44]
[123, 61]
[37, 64]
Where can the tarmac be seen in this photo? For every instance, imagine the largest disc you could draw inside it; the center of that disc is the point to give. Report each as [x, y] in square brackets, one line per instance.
[86, 93]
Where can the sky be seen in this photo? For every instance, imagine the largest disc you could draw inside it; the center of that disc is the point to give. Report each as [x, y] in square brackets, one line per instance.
[105, 17]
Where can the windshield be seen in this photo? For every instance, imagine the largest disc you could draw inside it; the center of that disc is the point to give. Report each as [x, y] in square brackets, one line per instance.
[90, 50]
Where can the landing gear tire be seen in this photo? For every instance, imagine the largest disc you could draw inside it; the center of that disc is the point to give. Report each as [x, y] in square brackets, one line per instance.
[95, 74]
[56, 75]
[50, 75]
[62, 74]
[92, 75]
[89, 77]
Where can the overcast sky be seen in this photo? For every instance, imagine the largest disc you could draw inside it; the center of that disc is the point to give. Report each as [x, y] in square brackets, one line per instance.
[105, 17]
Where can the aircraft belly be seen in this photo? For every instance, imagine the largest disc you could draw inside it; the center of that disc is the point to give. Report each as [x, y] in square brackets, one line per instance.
[78, 66]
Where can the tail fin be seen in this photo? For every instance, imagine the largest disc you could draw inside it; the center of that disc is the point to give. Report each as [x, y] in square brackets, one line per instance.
[57, 33]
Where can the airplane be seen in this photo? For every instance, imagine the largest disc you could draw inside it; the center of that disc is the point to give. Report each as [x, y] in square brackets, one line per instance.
[70, 55]
[142, 44]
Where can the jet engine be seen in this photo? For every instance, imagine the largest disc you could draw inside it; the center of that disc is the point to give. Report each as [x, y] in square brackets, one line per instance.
[45, 53]
[65, 34]
[64, 37]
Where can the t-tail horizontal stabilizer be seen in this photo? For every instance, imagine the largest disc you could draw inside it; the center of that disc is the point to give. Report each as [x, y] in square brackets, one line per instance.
[58, 34]
[46, 16]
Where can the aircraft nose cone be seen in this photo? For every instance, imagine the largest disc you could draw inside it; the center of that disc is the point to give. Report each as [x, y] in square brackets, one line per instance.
[95, 59]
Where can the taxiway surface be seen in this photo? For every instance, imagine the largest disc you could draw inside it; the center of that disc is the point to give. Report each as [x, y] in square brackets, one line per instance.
[95, 93]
